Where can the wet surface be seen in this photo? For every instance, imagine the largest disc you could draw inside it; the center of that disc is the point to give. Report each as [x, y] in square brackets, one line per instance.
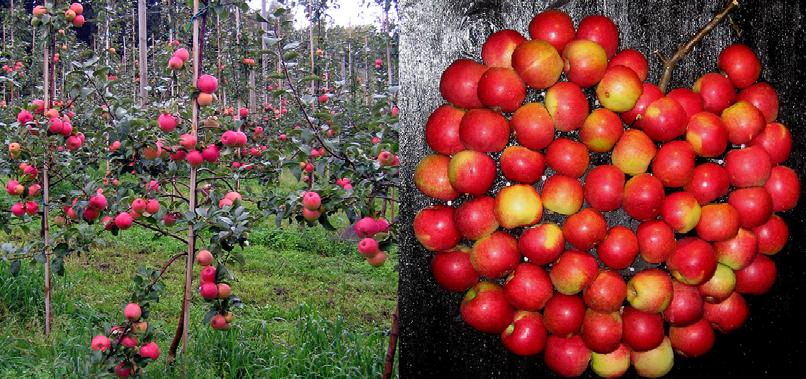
[434, 340]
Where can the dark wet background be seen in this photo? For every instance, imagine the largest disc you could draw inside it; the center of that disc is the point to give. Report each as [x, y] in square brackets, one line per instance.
[434, 341]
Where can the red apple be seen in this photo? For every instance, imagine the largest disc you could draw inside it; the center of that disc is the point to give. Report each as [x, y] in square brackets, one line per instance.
[720, 286]
[533, 126]
[606, 292]
[599, 29]
[716, 90]
[431, 178]
[693, 262]
[776, 141]
[772, 236]
[729, 315]
[664, 120]
[763, 97]
[585, 62]
[601, 332]
[459, 83]
[619, 248]
[655, 241]
[563, 315]
[681, 211]
[692, 341]
[643, 197]
[601, 130]
[709, 181]
[754, 205]
[740, 64]
[568, 357]
[494, 256]
[758, 277]
[650, 290]
[686, 306]
[573, 271]
[718, 222]
[486, 309]
[522, 165]
[567, 106]
[497, 49]
[707, 134]
[471, 172]
[453, 271]
[674, 164]
[542, 244]
[743, 122]
[553, 26]
[538, 63]
[475, 218]
[632, 59]
[435, 229]
[562, 194]
[528, 287]
[484, 131]
[604, 188]
[501, 88]
[526, 335]
[641, 331]
[567, 157]
[649, 93]
[783, 186]
[585, 229]
[688, 99]
[442, 130]
[738, 251]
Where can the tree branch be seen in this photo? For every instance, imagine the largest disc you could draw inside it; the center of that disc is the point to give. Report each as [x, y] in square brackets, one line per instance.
[160, 231]
[684, 49]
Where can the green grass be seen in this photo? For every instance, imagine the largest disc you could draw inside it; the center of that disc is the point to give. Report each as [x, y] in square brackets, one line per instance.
[313, 308]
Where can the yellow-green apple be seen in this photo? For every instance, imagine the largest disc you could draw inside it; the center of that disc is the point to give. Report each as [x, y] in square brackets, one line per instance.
[567, 106]
[720, 286]
[650, 290]
[526, 335]
[654, 363]
[601, 130]
[604, 188]
[494, 256]
[601, 331]
[542, 244]
[475, 218]
[692, 341]
[453, 271]
[619, 89]
[435, 229]
[611, 365]
[471, 172]
[538, 63]
[606, 293]
[573, 271]
[486, 309]
[692, 262]
[528, 287]
[562, 194]
[681, 211]
[431, 178]
[633, 152]
[686, 305]
[518, 205]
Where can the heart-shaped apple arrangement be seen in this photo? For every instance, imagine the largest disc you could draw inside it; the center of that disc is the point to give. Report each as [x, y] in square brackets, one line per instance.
[699, 170]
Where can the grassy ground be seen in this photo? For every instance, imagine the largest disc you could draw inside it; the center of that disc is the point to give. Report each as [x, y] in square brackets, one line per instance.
[313, 308]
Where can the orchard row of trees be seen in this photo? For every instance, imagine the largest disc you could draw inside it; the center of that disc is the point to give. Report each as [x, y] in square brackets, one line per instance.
[180, 119]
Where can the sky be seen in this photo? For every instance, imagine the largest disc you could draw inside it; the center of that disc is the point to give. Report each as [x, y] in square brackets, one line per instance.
[350, 12]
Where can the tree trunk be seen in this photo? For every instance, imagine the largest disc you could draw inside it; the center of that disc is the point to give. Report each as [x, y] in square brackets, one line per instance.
[142, 44]
[263, 61]
[46, 189]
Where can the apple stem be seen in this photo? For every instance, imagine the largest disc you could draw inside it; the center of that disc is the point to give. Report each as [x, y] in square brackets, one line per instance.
[684, 49]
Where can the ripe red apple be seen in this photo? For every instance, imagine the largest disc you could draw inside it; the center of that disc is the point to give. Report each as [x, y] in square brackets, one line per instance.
[522, 165]
[453, 271]
[783, 186]
[740, 64]
[435, 229]
[707, 134]
[459, 83]
[501, 88]
[633, 152]
[693, 262]
[563, 315]
[471, 172]
[634, 60]
[754, 205]
[611, 365]
[686, 306]
[716, 90]
[484, 130]
[567, 157]
[601, 332]
[368, 247]
[585, 62]
[526, 335]
[494, 256]
[568, 357]
[599, 29]
[533, 126]
[664, 120]
[655, 363]
[497, 49]
[528, 287]
[619, 248]
[207, 83]
[743, 122]
[709, 181]
[100, 343]
[692, 341]
[674, 164]
[538, 63]
[720, 286]
[718, 222]
[573, 271]
[553, 26]
[132, 312]
[204, 258]
[643, 197]
[650, 290]
[763, 97]
[606, 293]
[758, 277]
[585, 229]
[681, 211]
[486, 309]
[601, 130]
[567, 105]
[562, 194]
[772, 236]
[649, 93]
[542, 244]
[738, 251]
[442, 130]
[123, 221]
[431, 178]
[641, 331]
[688, 99]
[603, 188]
[729, 315]
[475, 218]
[518, 205]
[776, 141]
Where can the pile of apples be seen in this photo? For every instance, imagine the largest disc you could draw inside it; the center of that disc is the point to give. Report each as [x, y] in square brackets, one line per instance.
[131, 340]
[700, 170]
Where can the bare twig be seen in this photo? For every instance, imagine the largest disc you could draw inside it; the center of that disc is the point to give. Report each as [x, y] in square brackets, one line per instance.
[163, 232]
[684, 49]
[390, 351]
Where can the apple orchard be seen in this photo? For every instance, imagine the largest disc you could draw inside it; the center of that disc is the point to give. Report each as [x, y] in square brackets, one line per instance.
[594, 219]
[181, 120]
